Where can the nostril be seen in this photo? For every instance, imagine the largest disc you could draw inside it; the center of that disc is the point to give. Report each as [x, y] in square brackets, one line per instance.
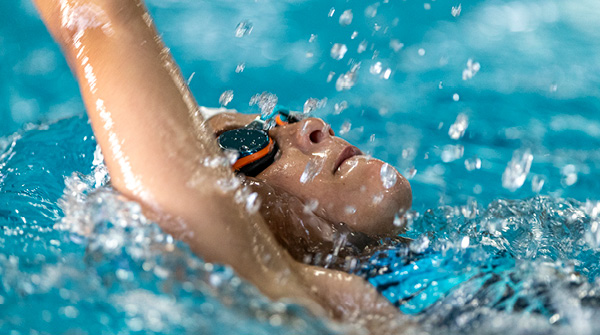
[316, 136]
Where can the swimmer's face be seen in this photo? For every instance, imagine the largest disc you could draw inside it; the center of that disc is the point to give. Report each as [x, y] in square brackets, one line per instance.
[345, 185]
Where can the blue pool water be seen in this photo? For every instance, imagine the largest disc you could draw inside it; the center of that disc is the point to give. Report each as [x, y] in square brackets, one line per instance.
[74, 256]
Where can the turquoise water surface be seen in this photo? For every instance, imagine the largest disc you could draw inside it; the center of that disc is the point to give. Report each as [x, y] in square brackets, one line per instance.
[490, 111]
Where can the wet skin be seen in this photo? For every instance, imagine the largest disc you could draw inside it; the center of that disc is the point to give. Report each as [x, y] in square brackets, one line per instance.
[348, 189]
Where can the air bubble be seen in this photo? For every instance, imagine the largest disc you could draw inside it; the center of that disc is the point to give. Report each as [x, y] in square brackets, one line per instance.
[338, 50]
[346, 17]
[388, 175]
[243, 28]
[226, 98]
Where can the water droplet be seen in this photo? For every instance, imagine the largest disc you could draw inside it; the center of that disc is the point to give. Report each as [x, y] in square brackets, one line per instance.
[441, 85]
[569, 175]
[458, 128]
[396, 45]
[354, 34]
[427, 6]
[420, 244]
[346, 17]
[537, 182]
[388, 175]
[338, 50]
[240, 67]
[362, 46]
[371, 11]
[464, 243]
[455, 97]
[348, 79]
[455, 11]
[243, 28]
[252, 203]
[410, 173]
[471, 70]
[386, 74]
[451, 153]
[331, 12]
[517, 169]
[311, 206]
[375, 68]
[226, 98]
[346, 126]
[312, 169]
[330, 76]
[349, 210]
[473, 163]
[312, 38]
[340, 107]
[553, 88]
[421, 52]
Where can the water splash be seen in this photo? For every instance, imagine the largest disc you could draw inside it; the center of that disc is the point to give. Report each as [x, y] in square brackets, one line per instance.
[266, 102]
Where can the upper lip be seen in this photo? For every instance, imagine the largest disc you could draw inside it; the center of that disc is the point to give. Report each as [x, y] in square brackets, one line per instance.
[348, 152]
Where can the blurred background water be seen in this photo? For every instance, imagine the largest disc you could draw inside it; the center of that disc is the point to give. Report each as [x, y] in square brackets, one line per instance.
[473, 102]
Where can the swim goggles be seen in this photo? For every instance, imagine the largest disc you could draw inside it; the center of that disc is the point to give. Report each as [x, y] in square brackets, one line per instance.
[255, 149]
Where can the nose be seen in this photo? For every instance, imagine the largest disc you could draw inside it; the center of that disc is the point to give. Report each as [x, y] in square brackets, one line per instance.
[311, 132]
[307, 135]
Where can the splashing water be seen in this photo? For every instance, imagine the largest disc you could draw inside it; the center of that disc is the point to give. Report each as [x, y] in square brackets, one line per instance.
[266, 102]
[517, 170]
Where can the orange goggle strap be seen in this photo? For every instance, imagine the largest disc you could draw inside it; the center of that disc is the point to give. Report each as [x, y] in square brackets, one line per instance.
[240, 163]
[279, 121]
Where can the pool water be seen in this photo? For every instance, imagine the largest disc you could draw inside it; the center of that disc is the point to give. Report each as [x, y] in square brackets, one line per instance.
[490, 111]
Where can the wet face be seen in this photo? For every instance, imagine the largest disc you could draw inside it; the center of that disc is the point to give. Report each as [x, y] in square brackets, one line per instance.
[333, 178]
[345, 185]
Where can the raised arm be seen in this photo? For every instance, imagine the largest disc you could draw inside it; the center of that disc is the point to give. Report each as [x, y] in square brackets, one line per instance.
[159, 152]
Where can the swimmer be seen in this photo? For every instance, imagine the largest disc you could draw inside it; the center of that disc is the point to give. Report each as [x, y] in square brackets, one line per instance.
[162, 152]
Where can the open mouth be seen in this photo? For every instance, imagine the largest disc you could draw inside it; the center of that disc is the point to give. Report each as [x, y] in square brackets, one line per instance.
[347, 153]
